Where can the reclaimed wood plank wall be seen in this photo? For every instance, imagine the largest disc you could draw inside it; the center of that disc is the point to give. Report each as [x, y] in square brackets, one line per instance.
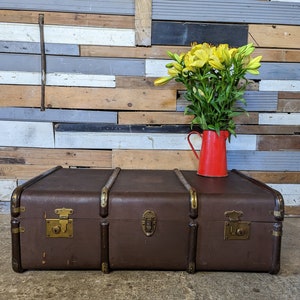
[101, 108]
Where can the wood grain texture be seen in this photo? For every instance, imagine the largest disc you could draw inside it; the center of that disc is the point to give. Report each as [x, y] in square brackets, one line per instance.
[72, 19]
[281, 36]
[279, 119]
[278, 142]
[289, 102]
[143, 21]
[275, 177]
[63, 157]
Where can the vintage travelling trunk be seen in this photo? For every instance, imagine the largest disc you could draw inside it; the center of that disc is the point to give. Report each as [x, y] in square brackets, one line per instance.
[145, 219]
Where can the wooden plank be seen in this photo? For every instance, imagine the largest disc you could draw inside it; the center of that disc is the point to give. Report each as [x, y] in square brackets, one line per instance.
[117, 7]
[279, 36]
[6, 188]
[26, 134]
[264, 160]
[267, 129]
[143, 20]
[72, 19]
[185, 33]
[154, 159]
[275, 177]
[289, 102]
[278, 55]
[290, 193]
[234, 11]
[280, 85]
[279, 119]
[63, 157]
[35, 48]
[57, 115]
[68, 34]
[107, 98]
[292, 210]
[278, 142]
[57, 78]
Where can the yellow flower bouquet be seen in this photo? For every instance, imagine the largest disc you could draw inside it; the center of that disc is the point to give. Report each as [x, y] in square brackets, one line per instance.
[214, 77]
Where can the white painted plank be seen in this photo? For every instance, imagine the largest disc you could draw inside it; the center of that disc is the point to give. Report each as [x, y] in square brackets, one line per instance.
[6, 188]
[279, 85]
[114, 140]
[60, 79]
[290, 193]
[156, 67]
[26, 134]
[67, 34]
[279, 119]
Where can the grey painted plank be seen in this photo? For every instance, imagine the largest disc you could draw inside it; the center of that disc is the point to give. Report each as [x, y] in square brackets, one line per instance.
[261, 12]
[256, 101]
[70, 64]
[34, 48]
[118, 7]
[264, 160]
[57, 115]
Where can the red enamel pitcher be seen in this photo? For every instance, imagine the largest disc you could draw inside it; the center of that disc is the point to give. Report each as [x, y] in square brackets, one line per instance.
[212, 158]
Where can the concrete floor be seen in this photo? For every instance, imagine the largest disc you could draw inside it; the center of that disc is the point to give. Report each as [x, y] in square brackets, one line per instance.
[152, 284]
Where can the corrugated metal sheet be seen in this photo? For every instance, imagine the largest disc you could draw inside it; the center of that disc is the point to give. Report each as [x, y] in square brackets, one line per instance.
[117, 7]
[254, 11]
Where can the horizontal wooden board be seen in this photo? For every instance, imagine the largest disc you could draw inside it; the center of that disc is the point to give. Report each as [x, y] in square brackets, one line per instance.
[267, 129]
[57, 79]
[256, 101]
[64, 157]
[289, 102]
[290, 192]
[74, 19]
[35, 48]
[278, 36]
[275, 177]
[26, 134]
[67, 34]
[56, 115]
[280, 85]
[155, 51]
[73, 65]
[279, 142]
[261, 12]
[118, 7]
[264, 160]
[267, 72]
[185, 33]
[89, 98]
[279, 119]
[6, 188]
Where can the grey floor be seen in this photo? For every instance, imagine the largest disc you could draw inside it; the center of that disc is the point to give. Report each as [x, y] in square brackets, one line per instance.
[152, 284]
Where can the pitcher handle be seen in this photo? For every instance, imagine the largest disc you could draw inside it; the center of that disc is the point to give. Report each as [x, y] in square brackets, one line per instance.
[190, 143]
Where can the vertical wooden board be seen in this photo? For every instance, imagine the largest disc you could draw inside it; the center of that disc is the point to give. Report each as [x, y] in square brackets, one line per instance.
[143, 19]
[6, 189]
[26, 134]
[185, 33]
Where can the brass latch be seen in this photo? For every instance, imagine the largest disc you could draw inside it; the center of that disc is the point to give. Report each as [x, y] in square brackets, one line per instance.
[61, 227]
[149, 222]
[235, 229]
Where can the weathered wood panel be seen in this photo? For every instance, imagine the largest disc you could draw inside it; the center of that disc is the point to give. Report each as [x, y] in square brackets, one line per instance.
[26, 134]
[6, 189]
[291, 193]
[279, 119]
[64, 157]
[57, 78]
[267, 129]
[72, 19]
[280, 85]
[35, 48]
[274, 35]
[118, 7]
[67, 34]
[278, 142]
[261, 12]
[289, 102]
[57, 115]
[185, 33]
[143, 19]
[275, 177]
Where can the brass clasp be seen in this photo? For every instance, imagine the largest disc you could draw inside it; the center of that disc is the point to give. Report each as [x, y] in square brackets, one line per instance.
[235, 229]
[61, 227]
[149, 222]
